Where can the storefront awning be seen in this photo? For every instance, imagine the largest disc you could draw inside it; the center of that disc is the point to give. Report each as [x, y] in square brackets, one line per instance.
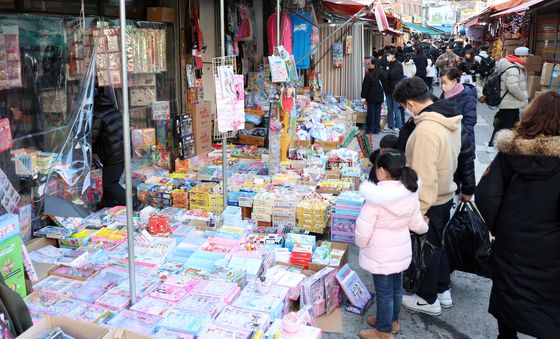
[520, 10]
[348, 8]
[480, 17]
[420, 29]
[444, 29]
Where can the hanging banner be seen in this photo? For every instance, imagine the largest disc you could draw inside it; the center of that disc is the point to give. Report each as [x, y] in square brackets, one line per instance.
[5, 135]
[349, 45]
[230, 110]
[381, 18]
[338, 55]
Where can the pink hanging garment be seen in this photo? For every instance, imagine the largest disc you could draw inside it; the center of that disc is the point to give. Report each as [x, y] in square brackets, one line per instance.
[286, 34]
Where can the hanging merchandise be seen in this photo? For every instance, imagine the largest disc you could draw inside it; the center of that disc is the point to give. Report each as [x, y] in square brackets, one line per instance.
[230, 100]
[10, 61]
[285, 34]
[5, 135]
[301, 28]
[349, 45]
[278, 69]
[338, 54]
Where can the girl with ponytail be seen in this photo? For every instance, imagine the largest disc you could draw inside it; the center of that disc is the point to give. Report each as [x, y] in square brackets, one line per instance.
[390, 212]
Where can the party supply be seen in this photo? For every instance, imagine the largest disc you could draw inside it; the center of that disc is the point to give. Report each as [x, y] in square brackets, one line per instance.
[233, 317]
[182, 321]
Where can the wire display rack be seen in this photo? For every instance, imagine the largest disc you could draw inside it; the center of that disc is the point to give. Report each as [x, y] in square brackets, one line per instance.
[217, 62]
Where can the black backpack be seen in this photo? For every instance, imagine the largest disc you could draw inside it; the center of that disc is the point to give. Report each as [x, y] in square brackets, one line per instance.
[493, 88]
[486, 66]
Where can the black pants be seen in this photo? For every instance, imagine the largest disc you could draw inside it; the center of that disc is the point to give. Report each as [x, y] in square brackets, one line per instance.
[373, 118]
[436, 278]
[429, 82]
[504, 119]
[113, 193]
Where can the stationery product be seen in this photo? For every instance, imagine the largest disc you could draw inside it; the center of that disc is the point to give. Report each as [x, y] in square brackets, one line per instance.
[116, 299]
[225, 290]
[263, 303]
[42, 302]
[74, 273]
[135, 321]
[184, 281]
[281, 329]
[353, 286]
[168, 293]
[182, 321]
[202, 304]
[152, 306]
[167, 334]
[91, 313]
[213, 331]
[233, 317]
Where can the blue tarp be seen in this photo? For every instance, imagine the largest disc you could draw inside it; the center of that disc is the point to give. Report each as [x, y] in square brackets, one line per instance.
[444, 29]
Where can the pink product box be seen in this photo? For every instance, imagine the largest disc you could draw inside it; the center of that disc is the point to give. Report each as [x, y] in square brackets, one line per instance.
[66, 307]
[186, 282]
[135, 322]
[225, 290]
[220, 245]
[168, 293]
[233, 317]
[275, 291]
[152, 306]
[342, 224]
[116, 299]
[42, 302]
[212, 332]
[167, 334]
[202, 304]
[91, 314]
[53, 285]
[303, 332]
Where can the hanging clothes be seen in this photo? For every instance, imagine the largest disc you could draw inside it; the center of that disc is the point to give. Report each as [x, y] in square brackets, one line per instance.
[285, 35]
[301, 35]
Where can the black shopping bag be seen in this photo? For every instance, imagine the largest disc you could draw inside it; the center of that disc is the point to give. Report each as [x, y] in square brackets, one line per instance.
[467, 241]
[422, 254]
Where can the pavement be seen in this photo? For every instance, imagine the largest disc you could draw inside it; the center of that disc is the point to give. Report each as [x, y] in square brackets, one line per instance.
[468, 318]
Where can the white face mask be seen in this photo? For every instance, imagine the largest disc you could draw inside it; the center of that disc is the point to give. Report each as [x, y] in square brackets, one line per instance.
[390, 58]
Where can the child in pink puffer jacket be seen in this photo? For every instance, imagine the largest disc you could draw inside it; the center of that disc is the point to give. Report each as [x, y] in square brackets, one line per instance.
[383, 228]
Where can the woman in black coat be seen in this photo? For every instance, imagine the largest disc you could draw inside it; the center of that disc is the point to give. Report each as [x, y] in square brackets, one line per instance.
[421, 62]
[519, 198]
[372, 91]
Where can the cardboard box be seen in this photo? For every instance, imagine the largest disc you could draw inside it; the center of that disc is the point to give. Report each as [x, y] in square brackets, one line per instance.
[203, 141]
[201, 114]
[335, 245]
[534, 64]
[360, 118]
[251, 140]
[161, 14]
[73, 328]
[533, 84]
[546, 74]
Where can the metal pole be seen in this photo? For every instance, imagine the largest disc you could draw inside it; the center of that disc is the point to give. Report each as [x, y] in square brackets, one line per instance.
[278, 23]
[224, 141]
[128, 178]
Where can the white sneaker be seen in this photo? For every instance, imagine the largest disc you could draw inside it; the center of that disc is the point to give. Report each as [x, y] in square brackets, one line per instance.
[385, 130]
[491, 149]
[445, 299]
[396, 130]
[418, 304]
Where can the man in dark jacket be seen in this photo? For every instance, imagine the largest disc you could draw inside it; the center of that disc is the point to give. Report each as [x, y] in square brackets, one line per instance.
[393, 71]
[108, 144]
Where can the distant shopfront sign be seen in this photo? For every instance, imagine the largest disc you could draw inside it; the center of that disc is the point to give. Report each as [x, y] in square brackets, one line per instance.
[443, 15]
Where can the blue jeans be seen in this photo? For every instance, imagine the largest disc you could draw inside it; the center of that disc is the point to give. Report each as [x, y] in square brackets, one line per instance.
[394, 117]
[373, 118]
[389, 291]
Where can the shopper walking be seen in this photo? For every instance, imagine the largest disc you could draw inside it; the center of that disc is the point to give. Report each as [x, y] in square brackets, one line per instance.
[469, 67]
[464, 96]
[513, 91]
[447, 59]
[409, 68]
[432, 150]
[485, 69]
[421, 63]
[372, 91]
[518, 197]
[393, 71]
[108, 144]
[383, 228]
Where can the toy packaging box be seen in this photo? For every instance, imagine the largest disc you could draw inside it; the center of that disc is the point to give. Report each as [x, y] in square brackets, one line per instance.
[353, 287]
[11, 257]
[182, 321]
[233, 317]
[202, 304]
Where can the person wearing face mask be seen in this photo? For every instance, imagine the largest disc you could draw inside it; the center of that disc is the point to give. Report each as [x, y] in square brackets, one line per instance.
[372, 91]
[432, 150]
[469, 66]
[409, 68]
[393, 70]
[447, 59]
[464, 96]
[513, 91]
